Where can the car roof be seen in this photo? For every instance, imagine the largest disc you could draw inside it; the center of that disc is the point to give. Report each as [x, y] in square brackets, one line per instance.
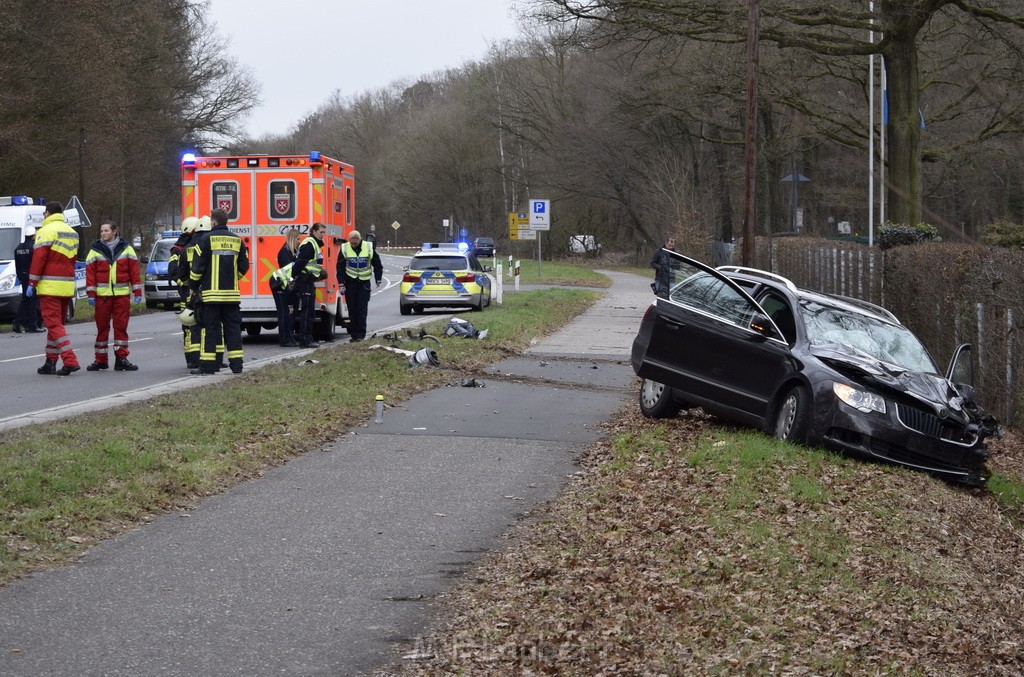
[775, 281]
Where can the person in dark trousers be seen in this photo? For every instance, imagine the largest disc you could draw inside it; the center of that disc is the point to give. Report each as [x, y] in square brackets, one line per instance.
[111, 278]
[52, 277]
[179, 269]
[27, 317]
[219, 260]
[284, 290]
[662, 264]
[358, 263]
[306, 270]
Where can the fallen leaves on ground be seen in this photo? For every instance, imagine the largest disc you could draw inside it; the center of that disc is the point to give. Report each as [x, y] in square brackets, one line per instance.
[674, 553]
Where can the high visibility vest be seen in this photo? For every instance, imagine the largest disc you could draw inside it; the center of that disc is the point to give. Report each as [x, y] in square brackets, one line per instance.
[358, 266]
[283, 275]
[111, 275]
[53, 258]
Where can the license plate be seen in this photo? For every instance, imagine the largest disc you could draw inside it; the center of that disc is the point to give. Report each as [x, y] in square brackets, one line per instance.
[439, 280]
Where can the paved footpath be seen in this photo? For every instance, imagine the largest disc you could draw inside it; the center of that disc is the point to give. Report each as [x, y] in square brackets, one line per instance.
[324, 563]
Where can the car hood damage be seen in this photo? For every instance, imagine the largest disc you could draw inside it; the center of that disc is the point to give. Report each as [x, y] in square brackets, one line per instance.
[933, 391]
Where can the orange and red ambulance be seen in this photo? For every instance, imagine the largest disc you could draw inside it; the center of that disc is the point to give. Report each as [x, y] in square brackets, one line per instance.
[265, 196]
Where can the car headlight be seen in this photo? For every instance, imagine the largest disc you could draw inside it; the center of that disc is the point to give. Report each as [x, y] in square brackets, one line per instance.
[7, 282]
[859, 399]
[152, 277]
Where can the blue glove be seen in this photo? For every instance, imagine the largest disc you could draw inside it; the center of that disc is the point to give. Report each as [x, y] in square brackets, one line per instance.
[30, 291]
[92, 300]
[137, 299]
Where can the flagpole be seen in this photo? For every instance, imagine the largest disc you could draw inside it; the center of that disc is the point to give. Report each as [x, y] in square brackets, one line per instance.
[871, 132]
[881, 149]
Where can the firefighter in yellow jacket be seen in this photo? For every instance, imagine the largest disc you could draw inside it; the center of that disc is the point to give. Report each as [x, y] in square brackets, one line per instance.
[219, 261]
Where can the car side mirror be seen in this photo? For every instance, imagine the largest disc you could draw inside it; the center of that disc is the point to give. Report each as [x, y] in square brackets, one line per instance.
[487, 269]
[762, 325]
[405, 269]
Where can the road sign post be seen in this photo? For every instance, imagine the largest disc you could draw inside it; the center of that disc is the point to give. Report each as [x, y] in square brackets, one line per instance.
[396, 225]
[540, 220]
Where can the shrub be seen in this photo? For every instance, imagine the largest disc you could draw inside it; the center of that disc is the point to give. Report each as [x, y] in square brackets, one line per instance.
[1003, 234]
[894, 234]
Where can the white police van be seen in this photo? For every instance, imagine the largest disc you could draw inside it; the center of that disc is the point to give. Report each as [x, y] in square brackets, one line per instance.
[17, 214]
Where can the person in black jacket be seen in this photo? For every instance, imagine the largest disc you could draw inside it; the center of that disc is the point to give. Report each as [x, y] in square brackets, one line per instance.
[219, 260]
[27, 317]
[662, 264]
[358, 264]
[306, 270]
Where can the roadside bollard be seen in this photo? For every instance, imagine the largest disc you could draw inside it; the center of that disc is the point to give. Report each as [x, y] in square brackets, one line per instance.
[379, 417]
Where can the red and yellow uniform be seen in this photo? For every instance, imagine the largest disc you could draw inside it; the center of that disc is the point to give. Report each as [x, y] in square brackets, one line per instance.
[111, 278]
[52, 275]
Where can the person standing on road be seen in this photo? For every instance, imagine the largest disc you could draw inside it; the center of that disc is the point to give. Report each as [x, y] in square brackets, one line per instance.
[111, 276]
[284, 294]
[662, 264]
[358, 263]
[179, 269]
[306, 270]
[219, 261]
[27, 317]
[52, 277]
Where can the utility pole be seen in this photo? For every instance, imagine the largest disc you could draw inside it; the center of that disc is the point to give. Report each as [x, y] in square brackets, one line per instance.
[750, 133]
[81, 164]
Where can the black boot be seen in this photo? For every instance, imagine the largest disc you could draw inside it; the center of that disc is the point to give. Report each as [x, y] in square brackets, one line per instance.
[16, 327]
[122, 364]
[47, 368]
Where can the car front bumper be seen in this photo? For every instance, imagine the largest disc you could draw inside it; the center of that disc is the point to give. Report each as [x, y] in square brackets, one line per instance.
[904, 434]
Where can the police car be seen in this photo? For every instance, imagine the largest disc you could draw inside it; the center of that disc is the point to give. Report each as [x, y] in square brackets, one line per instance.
[159, 288]
[444, 275]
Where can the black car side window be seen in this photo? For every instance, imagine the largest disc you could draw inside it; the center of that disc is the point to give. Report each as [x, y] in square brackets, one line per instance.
[711, 295]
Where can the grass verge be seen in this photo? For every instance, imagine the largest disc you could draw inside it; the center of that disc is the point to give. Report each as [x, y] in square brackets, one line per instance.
[69, 483]
[686, 548]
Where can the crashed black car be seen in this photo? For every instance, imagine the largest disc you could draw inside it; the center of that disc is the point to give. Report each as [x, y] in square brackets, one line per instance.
[749, 346]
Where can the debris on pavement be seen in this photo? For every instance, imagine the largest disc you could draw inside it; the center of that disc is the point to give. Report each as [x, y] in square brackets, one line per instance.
[464, 328]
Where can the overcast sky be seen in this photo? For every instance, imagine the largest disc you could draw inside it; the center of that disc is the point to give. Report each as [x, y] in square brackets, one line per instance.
[379, 42]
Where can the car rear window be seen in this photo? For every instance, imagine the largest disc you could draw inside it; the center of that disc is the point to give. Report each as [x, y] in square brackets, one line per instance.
[439, 263]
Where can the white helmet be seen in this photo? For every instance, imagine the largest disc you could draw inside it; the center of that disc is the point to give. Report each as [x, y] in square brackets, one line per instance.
[205, 224]
[187, 317]
[30, 231]
[189, 224]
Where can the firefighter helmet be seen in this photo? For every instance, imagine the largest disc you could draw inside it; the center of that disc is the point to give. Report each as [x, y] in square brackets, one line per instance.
[189, 224]
[205, 224]
[187, 317]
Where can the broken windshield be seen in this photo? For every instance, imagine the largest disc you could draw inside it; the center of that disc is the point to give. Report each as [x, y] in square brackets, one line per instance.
[891, 343]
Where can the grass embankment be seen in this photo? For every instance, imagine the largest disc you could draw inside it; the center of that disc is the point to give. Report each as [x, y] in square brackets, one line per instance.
[554, 272]
[67, 484]
[688, 548]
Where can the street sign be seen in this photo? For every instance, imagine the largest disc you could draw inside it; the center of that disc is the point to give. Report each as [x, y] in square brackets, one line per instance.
[463, 232]
[396, 225]
[540, 214]
[518, 223]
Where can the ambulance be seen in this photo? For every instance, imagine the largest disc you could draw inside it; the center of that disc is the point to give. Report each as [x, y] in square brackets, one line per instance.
[266, 196]
[17, 213]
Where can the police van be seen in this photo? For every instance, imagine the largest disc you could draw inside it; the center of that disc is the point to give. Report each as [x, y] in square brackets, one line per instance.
[17, 214]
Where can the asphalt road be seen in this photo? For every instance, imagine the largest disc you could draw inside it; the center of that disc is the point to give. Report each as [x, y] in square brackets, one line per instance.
[156, 347]
[328, 564]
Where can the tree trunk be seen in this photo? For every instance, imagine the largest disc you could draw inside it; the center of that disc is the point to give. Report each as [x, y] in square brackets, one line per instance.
[903, 140]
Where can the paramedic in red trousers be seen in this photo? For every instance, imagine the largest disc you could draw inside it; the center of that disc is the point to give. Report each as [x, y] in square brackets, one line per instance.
[219, 260]
[111, 278]
[52, 278]
[357, 265]
[305, 271]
